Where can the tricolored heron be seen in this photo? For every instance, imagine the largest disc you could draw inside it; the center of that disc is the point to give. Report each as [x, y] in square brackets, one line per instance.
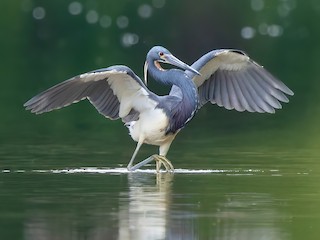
[226, 77]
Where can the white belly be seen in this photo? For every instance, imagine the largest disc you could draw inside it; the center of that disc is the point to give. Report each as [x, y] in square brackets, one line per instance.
[151, 127]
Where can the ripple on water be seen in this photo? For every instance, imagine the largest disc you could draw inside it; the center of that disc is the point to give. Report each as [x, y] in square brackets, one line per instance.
[94, 170]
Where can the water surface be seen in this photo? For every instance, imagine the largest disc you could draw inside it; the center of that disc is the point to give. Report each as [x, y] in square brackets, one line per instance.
[229, 193]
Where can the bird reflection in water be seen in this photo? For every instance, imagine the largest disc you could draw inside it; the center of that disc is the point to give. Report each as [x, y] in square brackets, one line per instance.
[143, 213]
[149, 206]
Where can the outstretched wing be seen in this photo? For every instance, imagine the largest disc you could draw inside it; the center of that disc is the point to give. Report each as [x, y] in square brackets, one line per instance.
[230, 79]
[115, 92]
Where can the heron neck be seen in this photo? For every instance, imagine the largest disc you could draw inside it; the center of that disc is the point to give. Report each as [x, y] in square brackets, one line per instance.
[180, 79]
[172, 77]
[188, 102]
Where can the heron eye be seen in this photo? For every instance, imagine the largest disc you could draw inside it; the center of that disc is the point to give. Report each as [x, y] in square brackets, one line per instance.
[161, 54]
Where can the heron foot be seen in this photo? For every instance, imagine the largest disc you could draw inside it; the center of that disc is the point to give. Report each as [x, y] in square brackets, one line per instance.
[163, 160]
[159, 161]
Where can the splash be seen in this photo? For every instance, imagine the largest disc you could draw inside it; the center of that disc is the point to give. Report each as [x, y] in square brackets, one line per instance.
[125, 171]
[121, 170]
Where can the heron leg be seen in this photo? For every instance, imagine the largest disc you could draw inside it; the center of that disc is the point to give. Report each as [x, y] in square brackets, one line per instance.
[159, 161]
[129, 167]
[142, 163]
[163, 160]
[159, 158]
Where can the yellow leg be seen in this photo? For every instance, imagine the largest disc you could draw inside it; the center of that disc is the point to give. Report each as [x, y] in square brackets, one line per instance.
[163, 160]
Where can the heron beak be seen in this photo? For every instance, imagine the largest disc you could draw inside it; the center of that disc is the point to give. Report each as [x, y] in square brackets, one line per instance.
[145, 72]
[178, 63]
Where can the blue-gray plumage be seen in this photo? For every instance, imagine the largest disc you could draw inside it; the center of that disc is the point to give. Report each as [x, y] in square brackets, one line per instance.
[226, 77]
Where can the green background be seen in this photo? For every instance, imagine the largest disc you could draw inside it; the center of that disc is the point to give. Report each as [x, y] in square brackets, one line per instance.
[42, 43]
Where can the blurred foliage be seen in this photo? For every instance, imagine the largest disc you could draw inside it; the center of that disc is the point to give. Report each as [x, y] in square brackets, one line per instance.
[43, 43]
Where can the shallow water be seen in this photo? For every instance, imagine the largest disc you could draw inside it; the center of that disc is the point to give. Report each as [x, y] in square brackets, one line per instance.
[228, 193]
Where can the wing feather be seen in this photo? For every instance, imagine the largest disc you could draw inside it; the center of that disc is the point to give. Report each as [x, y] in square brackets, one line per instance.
[217, 91]
[248, 94]
[255, 99]
[224, 92]
[230, 92]
[104, 99]
[261, 92]
[210, 91]
[275, 89]
[264, 92]
[114, 108]
[59, 98]
[109, 90]
[242, 100]
[234, 96]
[232, 80]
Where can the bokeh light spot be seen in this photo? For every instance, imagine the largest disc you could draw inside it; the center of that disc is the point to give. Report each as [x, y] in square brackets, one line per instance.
[92, 17]
[75, 8]
[285, 7]
[39, 13]
[145, 11]
[257, 5]
[275, 30]
[129, 39]
[158, 3]
[122, 22]
[263, 28]
[248, 32]
[105, 21]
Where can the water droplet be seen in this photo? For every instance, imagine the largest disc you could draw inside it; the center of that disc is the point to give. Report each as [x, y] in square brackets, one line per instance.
[129, 39]
[39, 13]
[248, 32]
[105, 21]
[75, 8]
[122, 22]
[145, 11]
[92, 17]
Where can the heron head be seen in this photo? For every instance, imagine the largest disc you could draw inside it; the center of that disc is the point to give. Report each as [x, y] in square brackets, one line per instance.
[158, 55]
